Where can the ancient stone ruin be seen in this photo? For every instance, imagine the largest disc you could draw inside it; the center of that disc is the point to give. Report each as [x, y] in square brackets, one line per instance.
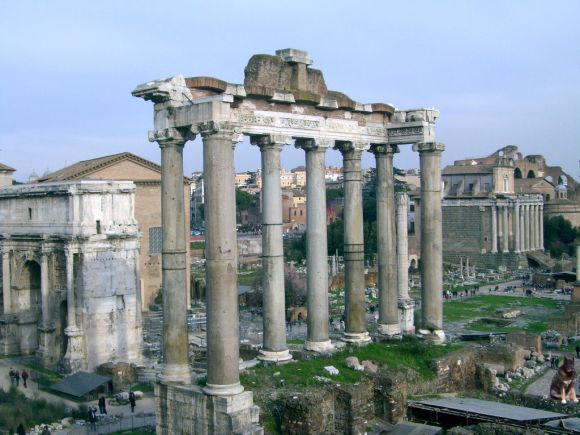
[282, 101]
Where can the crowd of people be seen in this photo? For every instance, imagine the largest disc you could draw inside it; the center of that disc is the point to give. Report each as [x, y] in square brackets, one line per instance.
[16, 375]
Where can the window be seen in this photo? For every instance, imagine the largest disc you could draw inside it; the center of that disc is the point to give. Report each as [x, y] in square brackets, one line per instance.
[506, 184]
[98, 227]
[412, 207]
[155, 240]
[29, 213]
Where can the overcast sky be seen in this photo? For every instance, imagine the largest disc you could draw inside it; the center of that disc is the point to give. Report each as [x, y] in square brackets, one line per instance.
[501, 72]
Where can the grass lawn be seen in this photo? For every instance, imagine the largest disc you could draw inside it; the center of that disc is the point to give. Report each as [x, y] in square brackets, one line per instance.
[408, 353]
[487, 305]
[530, 328]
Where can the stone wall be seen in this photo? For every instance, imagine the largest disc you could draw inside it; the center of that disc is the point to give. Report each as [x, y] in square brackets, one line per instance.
[526, 341]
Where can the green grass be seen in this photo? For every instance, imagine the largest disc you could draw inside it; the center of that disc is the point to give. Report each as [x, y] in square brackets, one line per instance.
[531, 328]
[487, 305]
[408, 353]
[15, 408]
[295, 341]
[197, 245]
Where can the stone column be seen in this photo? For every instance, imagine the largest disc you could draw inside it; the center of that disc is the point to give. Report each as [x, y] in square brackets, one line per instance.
[354, 272]
[516, 224]
[6, 287]
[431, 240]
[386, 240]
[74, 357]
[406, 304]
[522, 228]
[175, 341]
[402, 200]
[526, 227]
[274, 347]
[578, 261]
[223, 317]
[541, 219]
[537, 226]
[505, 228]
[493, 229]
[46, 348]
[318, 338]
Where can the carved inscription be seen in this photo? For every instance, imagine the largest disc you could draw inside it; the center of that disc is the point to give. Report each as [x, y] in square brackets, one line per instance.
[405, 131]
[274, 121]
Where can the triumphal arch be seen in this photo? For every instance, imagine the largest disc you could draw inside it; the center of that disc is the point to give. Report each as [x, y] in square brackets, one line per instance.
[283, 101]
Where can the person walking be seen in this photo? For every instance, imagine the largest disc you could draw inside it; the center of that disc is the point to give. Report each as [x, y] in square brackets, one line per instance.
[577, 349]
[45, 431]
[20, 429]
[132, 401]
[102, 405]
[93, 419]
[12, 375]
[17, 377]
[25, 377]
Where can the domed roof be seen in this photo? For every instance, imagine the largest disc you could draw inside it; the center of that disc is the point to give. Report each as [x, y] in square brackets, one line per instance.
[561, 188]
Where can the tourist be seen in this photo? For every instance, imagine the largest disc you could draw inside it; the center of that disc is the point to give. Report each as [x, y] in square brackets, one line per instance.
[132, 401]
[577, 349]
[45, 431]
[17, 377]
[12, 375]
[25, 376]
[102, 405]
[20, 429]
[93, 419]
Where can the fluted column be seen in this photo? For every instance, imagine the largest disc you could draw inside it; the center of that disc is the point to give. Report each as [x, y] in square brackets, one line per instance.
[402, 200]
[175, 341]
[431, 239]
[74, 357]
[6, 287]
[46, 328]
[493, 229]
[274, 347]
[537, 226]
[223, 317]
[522, 228]
[505, 228]
[516, 225]
[386, 240]
[317, 338]
[354, 280]
[541, 218]
[44, 296]
[70, 291]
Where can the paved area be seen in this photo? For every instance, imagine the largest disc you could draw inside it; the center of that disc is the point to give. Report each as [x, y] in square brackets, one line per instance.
[541, 386]
[146, 405]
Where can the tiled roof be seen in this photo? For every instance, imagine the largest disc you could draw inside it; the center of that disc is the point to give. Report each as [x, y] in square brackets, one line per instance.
[467, 169]
[6, 168]
[86, 167]
[80, 383]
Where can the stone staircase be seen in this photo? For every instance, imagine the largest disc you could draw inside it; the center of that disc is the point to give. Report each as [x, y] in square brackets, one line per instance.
[543, 259]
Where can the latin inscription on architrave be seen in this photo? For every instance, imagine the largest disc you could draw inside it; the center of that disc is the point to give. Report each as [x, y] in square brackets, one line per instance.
[274, 121]
[405, 131]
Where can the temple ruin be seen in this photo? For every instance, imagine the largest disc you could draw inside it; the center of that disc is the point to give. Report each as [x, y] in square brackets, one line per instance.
[282, 102]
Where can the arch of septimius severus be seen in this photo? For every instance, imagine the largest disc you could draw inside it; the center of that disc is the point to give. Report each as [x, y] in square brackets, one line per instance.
[282, 101]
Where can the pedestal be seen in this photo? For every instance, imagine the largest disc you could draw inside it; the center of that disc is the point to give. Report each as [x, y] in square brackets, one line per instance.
[46, 345]
[186, 409]
[319, 346]
[358, 339]
[74, 359]
[9, 344]
[407, 316]
[436, 336]
[274, 357]
[389, 330]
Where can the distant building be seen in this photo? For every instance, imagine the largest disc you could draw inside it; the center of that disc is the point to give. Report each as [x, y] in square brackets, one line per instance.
[6, 173]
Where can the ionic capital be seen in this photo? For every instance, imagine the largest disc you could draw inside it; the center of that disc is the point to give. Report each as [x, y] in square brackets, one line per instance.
[221, 130]
[428, 147]
[270, 141]
[384, 149]
[349, 146]
[401, 199]
[314, 144]
[171, 136]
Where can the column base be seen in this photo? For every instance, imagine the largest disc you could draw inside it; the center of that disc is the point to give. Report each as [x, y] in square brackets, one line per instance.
[389, 329]
[46, 344]
[223, 390]
[275, 357]
[357, 338]
[436, 336]
[186, 409]
[176, 373]
[319, 346]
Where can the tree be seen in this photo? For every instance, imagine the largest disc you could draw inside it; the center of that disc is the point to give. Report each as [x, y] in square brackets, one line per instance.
[559, 236]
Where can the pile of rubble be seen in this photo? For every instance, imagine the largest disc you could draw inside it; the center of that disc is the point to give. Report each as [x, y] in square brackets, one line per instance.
[535, 363]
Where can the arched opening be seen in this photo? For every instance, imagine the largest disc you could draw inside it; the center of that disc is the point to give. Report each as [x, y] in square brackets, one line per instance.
[531, 174]
[413, 264]
[562, 179]
[29, 284]
[517, 173]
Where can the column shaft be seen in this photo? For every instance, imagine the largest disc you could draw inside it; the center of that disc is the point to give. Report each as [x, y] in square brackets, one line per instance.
[274, 314]
[44, 288]
[402, 200]
[386, 241]
[6, 288]
[70, 291]
[526, 227]
[354, 281]
[223, 340]
[316, 247]
[541, 218]
[522, 228]
[516, 225]
[493, 229]
[175, 342]
[431, 238]
[505, 228]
